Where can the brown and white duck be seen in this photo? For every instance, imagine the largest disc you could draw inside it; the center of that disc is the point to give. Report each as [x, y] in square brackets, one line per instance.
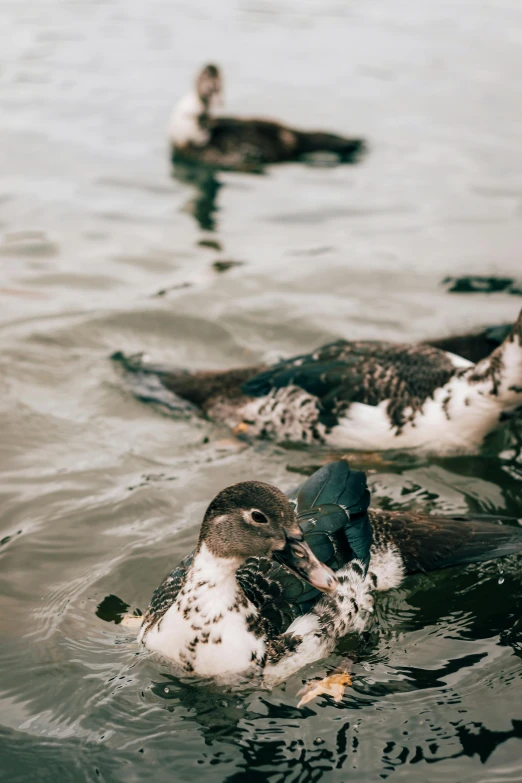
[366, 395]
[276, 580]
[197, 134]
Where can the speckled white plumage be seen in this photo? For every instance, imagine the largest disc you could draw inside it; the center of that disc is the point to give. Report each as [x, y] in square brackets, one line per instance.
[386, 570]
[348, 610]
[223, 614]
[205, 628]
[456, 419]
[288, 414]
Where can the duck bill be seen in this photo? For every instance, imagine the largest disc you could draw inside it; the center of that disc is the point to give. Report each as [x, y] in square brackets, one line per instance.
[299, 558]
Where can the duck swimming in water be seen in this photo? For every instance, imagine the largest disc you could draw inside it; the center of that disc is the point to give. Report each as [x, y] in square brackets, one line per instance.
[197, 134]
[276, 580]
[365, 395]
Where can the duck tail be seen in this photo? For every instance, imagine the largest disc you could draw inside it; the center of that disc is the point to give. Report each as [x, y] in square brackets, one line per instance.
[180, 389]
[153, 383]
[500, 373]
[488, 538]
[431, 542]
[349, 150]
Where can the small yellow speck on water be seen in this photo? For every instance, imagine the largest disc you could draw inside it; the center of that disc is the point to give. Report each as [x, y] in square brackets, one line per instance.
[240, 428]
[230, 444]
[333, 685]
[131, 621]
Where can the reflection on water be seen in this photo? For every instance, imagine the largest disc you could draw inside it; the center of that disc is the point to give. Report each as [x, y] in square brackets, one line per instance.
[202, 206]
[101, 495]
[470, 284]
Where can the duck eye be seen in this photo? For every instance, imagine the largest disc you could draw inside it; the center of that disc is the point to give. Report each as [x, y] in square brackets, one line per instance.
[257, 516]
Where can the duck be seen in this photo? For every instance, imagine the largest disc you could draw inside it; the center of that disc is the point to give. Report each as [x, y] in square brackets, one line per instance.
[277, 579]
[198, 135]
[352, 395]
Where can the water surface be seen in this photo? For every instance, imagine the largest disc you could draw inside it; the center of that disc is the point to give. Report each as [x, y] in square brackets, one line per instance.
[101, 249]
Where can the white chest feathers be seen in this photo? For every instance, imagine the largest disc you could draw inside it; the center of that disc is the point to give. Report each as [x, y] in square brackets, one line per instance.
[185, 122]
[455, 419]
[206, 628]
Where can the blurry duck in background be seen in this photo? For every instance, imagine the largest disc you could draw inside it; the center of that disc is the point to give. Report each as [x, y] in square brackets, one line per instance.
[197, 134]
[359, 395]
[276, 580]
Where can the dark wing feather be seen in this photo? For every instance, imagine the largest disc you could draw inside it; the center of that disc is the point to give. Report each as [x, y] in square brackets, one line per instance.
[332, 505]
[334, 483]
[279, 595]
[430, 542]
[238, 142]
[249, 143]
[344, 372]
[332, 511]
[165, 595]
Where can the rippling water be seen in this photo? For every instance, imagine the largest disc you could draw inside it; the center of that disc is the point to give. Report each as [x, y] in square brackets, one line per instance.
[101, 250]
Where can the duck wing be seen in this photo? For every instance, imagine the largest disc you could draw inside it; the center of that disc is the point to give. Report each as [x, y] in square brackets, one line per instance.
[164, 596]
[268, 141]
[369, 372]
[240, 143]
[427, 543]
[332, 511]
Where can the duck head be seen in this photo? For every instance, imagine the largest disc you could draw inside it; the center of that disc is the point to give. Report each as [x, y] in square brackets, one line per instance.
[209, 86]
[252, 519]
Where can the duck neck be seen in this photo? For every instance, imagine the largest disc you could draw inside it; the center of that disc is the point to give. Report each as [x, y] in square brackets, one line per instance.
[188, 121]
[214, 568]
[211, 584]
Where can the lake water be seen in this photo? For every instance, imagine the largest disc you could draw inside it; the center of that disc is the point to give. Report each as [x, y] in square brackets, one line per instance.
[100, 250]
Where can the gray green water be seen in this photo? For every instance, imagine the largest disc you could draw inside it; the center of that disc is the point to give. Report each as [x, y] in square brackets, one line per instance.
[102, 495]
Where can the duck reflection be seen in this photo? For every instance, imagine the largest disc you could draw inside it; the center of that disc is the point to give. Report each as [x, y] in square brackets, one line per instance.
[269, 737]
[202, 205]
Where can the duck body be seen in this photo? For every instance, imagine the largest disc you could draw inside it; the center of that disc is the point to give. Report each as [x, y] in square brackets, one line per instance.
[198, 135]
[216, 617]
[249, 143]
[355, 395]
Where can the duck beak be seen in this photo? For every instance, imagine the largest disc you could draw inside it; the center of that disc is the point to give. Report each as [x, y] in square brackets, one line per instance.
[298, 557]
